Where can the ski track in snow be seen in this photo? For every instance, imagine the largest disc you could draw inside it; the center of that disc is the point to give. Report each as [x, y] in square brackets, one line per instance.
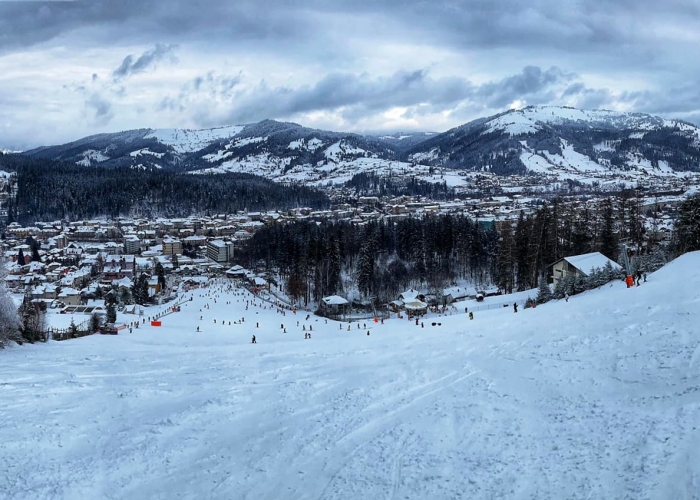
[595, 398]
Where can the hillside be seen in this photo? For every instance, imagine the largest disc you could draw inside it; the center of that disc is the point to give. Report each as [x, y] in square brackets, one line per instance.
[596, 397]
[566, 142]
[557, 143]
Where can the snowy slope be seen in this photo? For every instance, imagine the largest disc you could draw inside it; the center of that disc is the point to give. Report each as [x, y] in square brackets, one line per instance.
[595, 398]
[189, 140]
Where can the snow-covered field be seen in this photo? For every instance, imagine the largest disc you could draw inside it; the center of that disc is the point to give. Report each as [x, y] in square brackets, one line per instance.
[594, 398]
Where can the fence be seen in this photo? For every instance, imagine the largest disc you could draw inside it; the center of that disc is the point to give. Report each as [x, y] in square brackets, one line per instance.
[80, 330]
[502, 305]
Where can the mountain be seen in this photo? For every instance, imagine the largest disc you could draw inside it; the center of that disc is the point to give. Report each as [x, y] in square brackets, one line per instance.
[565, 141]
[268, 145]
[552, 143]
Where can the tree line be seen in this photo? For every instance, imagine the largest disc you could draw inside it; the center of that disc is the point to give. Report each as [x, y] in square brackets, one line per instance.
[49, 190]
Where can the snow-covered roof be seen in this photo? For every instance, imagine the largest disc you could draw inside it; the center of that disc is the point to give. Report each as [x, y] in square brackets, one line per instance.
[589, 261]
[415, 305]
[334, 300]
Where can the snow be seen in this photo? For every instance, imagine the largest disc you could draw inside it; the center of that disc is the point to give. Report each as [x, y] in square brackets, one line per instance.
[90, 156]
[189, 140]
[596, 397]
[145, 151]
[587, 262]
[341, 148]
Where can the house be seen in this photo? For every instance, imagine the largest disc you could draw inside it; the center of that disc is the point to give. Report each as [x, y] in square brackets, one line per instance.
[580, 265]
[236, 272]
[454, 293]
[69, 296]
[333, 305]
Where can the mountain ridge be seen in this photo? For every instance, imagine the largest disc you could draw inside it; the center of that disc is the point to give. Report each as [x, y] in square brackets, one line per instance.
[558, 142]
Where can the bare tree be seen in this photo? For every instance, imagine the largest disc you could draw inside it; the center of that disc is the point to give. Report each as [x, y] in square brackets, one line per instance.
[9, 319]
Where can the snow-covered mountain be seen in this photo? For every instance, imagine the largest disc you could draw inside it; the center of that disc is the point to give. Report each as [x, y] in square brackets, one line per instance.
[566, 142]
[555, 142]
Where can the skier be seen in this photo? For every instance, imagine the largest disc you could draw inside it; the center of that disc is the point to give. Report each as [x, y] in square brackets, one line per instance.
[253, 341]
[566, 297]
[515, 307]
[471, 315]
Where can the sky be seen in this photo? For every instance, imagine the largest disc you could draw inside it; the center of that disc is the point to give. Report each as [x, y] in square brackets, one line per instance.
[74, 68]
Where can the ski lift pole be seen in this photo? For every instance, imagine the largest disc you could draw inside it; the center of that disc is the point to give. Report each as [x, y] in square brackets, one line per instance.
[628, 267]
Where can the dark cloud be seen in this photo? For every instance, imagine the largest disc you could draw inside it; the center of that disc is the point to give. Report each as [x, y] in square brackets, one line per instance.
[619, 54]
[148, 59]
[100, 109]
[357, 96]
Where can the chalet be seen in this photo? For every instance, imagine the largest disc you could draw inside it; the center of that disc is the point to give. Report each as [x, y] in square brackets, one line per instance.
[334, 305]
[580, 265]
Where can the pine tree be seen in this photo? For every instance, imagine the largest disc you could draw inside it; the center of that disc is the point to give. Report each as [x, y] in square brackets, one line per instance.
[544, 292]
[608, 237]
[9, 318]
[160, 273]
[111, 313]
[20, 257]
[505, 259]
[687, 236]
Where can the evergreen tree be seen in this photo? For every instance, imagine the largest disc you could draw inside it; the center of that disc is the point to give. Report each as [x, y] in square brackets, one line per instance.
[73, 329]
[544, 293]
[687, 235]
[95, 322]
[608, 238]
[20, 257]
[522, 231]
[160, 273]
[111, 314]
[505, 259]
[140, 289]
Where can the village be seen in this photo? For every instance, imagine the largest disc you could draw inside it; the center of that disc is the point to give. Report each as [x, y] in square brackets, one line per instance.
[78, 267]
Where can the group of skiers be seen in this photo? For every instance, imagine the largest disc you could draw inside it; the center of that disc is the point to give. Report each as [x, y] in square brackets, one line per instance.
[639, 275]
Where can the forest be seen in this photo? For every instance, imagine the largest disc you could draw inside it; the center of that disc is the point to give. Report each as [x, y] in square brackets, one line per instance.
[376, 261]
[49, 190]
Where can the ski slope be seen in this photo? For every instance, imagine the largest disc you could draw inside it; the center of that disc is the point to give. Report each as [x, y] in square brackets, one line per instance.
[594, 398]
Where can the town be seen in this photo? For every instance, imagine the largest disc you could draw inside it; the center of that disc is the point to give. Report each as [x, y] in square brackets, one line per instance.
[62, 265]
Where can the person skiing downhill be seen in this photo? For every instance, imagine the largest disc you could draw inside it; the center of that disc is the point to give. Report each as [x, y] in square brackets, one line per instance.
[515, 307]
[253, 341]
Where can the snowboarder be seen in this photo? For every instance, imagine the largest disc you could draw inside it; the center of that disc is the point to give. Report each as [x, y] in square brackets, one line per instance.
[197, 329]
[253, 341]
[515, 307]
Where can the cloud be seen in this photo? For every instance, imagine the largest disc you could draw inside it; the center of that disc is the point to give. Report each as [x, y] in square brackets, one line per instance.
[148, 59]
[355, 96]
[343, 64]
[100, 109]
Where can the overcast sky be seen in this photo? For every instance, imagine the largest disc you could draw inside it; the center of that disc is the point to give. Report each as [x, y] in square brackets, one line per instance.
[74, 68]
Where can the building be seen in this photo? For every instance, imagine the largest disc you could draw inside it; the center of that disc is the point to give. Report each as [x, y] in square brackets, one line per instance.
[580, 265]
[132, 244]
[220, 251]
[172, 246]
